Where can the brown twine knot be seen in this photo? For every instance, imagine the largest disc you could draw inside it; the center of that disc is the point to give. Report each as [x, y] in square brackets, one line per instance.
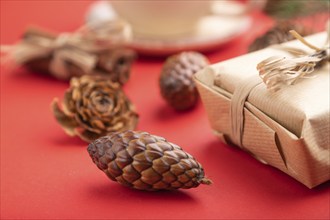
[278, 71]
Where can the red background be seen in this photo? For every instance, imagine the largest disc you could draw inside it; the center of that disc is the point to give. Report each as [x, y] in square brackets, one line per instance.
[46, 174]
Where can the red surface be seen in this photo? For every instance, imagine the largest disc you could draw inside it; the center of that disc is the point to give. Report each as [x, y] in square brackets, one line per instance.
[48, 175]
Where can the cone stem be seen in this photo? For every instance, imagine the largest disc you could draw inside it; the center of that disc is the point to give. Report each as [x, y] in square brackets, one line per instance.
[206, 181]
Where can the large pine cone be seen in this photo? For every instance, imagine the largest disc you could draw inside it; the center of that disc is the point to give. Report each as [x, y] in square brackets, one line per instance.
[147, 162]
[94, 107]
[176, 80]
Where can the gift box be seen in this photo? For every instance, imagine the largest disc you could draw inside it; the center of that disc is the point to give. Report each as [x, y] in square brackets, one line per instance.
[287, 129]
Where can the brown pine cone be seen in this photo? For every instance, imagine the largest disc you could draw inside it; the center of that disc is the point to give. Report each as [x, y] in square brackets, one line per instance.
[147, 162]
[176, 80]
[277, 35]
[94, 107]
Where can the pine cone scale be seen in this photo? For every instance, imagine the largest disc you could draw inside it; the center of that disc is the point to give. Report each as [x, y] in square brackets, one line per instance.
[113, 169]
[135, 149]
[160, 166]
[139, 184]
[150, 176]
[130, 174]
[140, 166]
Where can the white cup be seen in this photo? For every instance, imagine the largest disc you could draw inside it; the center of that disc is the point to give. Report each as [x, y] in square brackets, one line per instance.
[162, 19]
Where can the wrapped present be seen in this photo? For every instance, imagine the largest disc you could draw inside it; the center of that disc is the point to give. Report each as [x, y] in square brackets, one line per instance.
[284, 122]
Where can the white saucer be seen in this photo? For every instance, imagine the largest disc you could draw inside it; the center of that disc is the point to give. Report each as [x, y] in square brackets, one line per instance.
[211, 32]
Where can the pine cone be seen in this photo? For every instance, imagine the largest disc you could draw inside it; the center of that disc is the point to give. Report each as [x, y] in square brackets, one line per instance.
[278, 34]
[147, 162]
[176, 80]
[94, 107]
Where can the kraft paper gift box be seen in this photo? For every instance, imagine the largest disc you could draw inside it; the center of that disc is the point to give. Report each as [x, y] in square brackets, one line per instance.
[288, 129]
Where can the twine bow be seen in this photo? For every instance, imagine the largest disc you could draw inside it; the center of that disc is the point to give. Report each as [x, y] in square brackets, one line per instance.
[78, 47]
[278, 71]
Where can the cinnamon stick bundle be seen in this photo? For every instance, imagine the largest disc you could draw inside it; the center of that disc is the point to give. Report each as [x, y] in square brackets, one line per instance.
[95, 49]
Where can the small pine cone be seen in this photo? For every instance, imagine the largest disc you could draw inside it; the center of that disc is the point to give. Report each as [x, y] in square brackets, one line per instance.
[277, 35]
[94, 106]
[146, 162]
[176, 80]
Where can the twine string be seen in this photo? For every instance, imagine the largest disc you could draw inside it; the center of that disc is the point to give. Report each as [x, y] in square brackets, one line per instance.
[277, 72]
